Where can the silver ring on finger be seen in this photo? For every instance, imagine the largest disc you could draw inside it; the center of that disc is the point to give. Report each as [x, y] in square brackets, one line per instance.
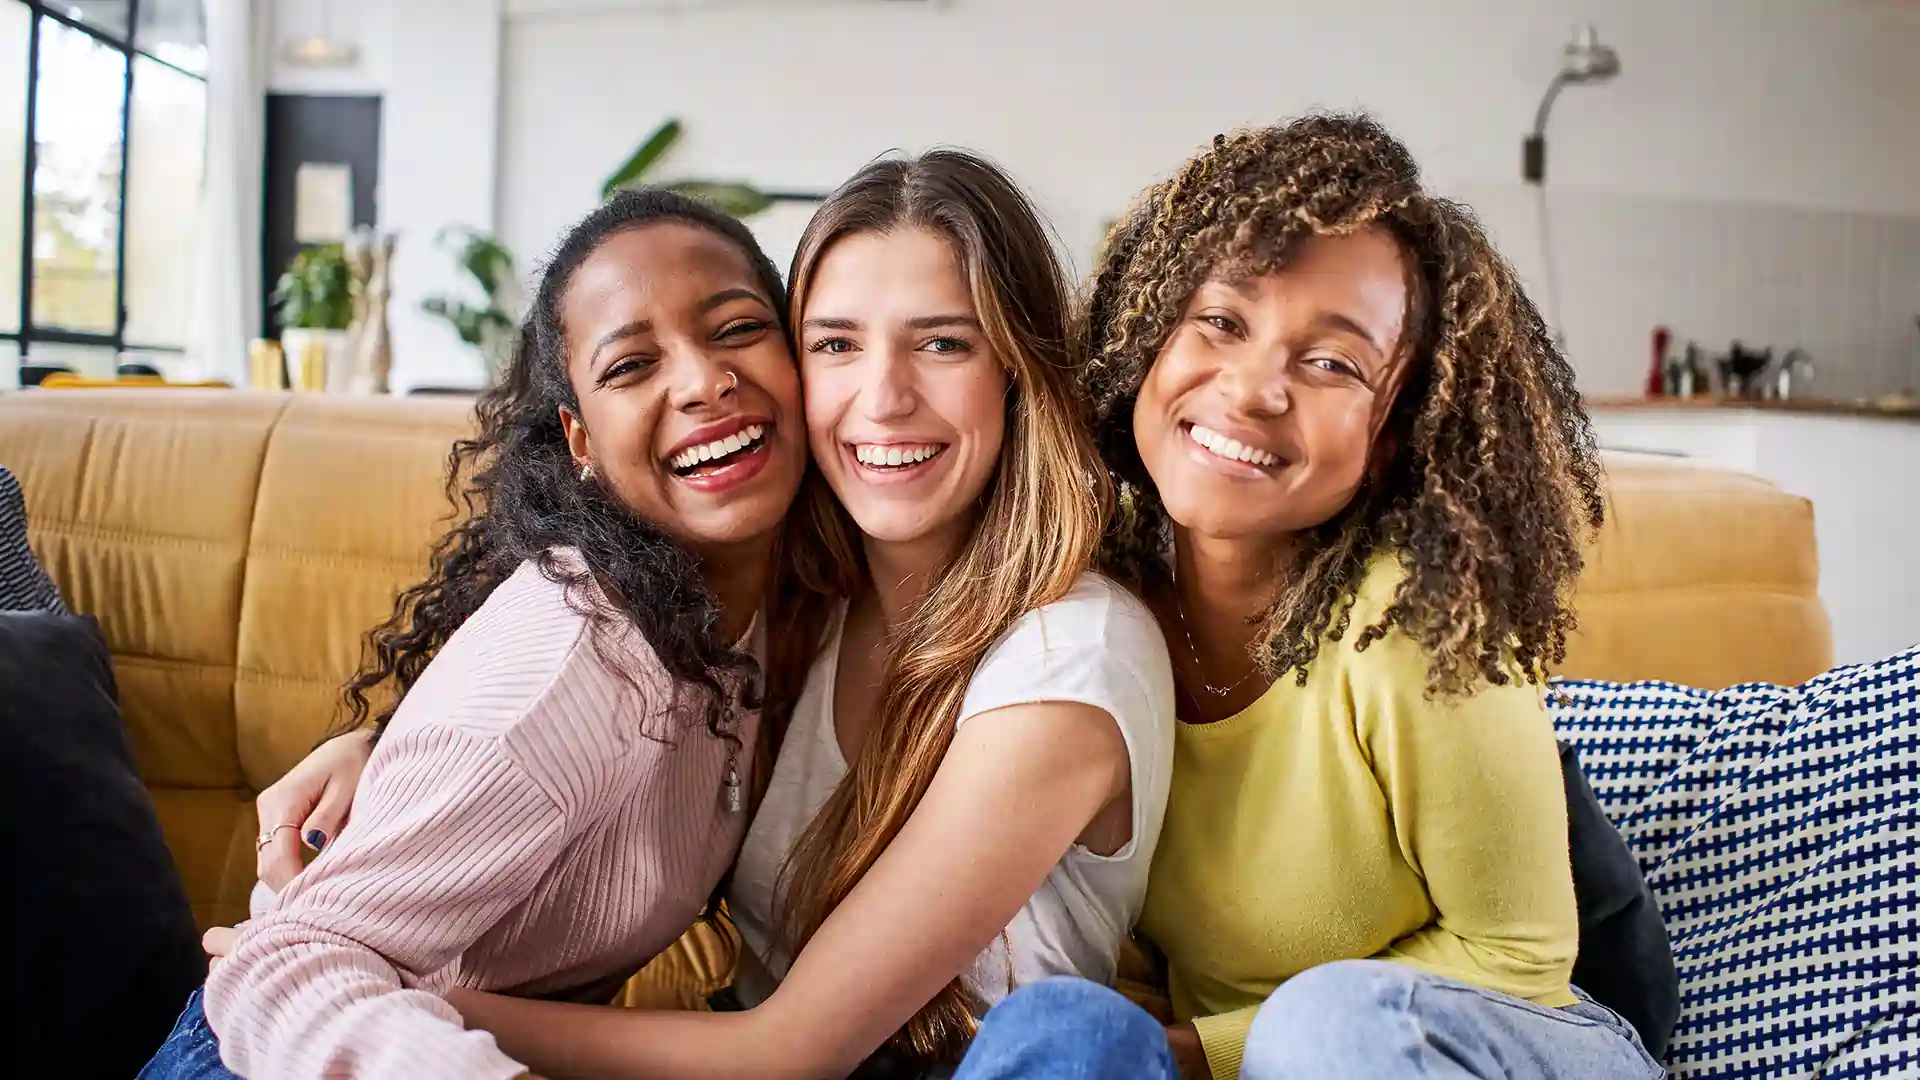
[266, 838]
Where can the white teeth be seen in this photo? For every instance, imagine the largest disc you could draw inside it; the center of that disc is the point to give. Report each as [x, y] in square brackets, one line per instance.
[1231, 449]
[869, 454]
[718, 448]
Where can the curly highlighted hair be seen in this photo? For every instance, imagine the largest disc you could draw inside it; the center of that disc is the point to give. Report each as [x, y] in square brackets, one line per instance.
[1492, 479]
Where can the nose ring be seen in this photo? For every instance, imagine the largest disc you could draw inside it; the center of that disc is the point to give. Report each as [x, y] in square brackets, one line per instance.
[733, 383]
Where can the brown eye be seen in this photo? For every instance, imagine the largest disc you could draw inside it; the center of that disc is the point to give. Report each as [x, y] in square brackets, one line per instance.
[833, 346]
[623, 367]
[1335, 365]
[742, 329]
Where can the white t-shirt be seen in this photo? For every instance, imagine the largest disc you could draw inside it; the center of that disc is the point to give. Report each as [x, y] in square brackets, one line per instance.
[1098, 645]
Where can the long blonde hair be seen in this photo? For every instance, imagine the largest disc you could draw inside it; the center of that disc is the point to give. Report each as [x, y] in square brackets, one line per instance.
[1039, 524]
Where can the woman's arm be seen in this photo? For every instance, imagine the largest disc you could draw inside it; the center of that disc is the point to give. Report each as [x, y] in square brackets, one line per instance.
[1017, 787]
[1474, 789]
[448, 836]
[1479, 806]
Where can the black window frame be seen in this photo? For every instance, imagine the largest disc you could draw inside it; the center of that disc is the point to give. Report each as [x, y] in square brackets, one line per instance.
[29, 334]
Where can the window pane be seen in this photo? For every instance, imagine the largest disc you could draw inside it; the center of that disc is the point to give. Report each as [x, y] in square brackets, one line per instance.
[9, 365]
[164, 161]
[109, 16]
[16, 25]
[174, 31]
[76, 180]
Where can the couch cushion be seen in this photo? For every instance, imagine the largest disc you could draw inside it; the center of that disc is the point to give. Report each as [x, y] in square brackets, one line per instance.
[350, 502]
[1780, 831]
[236, 548]
[105, 950]
[1702, 577]
[1625, 960]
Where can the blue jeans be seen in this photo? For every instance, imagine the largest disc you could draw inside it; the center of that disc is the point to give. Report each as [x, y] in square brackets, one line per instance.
[1360, 1018]
[191, 1052]
[1067, 1029]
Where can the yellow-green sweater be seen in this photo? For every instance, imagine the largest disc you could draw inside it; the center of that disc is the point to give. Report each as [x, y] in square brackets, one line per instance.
[1355, 817]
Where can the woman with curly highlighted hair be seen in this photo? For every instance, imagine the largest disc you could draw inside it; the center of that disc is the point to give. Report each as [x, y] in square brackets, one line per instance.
[1355, 479]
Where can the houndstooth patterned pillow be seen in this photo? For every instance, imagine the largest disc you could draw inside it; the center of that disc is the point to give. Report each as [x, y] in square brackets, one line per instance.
[23, 585]
[1779, 828]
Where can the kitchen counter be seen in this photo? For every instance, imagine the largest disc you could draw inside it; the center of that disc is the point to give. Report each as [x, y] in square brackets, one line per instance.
[1818, 406]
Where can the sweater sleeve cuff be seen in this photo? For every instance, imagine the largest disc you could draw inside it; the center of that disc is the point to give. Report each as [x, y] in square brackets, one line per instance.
[468, 1055]
[1224, 1039]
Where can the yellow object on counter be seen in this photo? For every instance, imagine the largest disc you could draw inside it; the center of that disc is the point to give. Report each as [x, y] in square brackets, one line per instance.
[312, 367]
[266, 365]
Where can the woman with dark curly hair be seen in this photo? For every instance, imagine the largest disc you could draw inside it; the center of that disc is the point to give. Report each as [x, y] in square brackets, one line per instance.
[557, 788]
[1356, 478]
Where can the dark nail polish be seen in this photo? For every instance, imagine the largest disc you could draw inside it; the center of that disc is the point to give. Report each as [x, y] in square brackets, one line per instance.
[316, 839]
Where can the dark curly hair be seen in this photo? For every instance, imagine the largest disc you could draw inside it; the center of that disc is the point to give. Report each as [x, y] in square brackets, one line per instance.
[1493, 479]
[517, 485]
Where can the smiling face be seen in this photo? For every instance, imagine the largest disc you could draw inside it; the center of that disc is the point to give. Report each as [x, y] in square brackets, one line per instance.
[1260, 413]
[905, 397]
[688, 397]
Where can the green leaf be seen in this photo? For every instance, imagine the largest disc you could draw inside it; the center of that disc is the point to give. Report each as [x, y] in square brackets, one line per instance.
[316, 291]
[642, 159]
[490, 264]
[741, 200]
[466, 321]
[480, 255]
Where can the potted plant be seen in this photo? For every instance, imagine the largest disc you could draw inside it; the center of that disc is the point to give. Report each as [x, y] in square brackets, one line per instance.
[314, 300]
[490, 328]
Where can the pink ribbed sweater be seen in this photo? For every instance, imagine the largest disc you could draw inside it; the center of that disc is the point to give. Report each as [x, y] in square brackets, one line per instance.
[515, 831]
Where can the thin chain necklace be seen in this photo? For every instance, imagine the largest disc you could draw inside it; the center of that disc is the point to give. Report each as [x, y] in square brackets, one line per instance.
[730, 785]
[1199, 669]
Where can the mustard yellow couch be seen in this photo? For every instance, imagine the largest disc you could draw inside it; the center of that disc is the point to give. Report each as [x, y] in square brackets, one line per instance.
[236, 547]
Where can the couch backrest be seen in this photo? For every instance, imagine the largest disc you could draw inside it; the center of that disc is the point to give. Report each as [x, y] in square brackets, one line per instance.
[1702, 577]
[236, 548]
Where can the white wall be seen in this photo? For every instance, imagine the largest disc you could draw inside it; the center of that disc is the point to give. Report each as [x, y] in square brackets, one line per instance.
[439, 153]
[436, 66]
[366, 24]
[1752, 172]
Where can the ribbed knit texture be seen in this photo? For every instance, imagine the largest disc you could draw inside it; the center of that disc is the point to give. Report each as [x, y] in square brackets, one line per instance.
[535, 821]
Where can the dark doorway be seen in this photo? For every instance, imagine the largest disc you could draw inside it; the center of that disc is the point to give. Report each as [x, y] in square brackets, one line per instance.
[305, 129]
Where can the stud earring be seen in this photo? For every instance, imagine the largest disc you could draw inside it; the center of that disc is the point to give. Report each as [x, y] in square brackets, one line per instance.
[586, 472]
